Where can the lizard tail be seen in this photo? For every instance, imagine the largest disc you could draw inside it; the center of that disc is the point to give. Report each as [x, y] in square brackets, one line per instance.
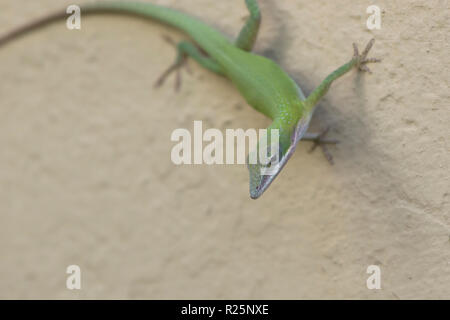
[16, 33]
[162, 14]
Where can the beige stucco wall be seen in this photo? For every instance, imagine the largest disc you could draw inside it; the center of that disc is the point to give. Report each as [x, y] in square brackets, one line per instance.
[86, 176]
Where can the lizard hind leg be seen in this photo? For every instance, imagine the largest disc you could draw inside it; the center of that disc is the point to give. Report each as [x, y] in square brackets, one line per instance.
[186, 49]
[180, 61]
[247, 36]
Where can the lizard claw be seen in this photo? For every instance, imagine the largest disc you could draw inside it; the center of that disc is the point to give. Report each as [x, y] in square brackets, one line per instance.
[362, 59]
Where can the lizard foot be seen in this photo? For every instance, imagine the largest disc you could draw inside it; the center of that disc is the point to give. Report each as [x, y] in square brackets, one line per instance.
[319, 140]
[180, 62]
[362, 58]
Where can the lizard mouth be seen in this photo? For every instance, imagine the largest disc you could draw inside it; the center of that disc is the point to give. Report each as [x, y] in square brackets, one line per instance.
[262, 176]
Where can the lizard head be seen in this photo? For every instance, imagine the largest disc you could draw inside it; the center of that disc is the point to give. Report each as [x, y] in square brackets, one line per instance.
[276, 154]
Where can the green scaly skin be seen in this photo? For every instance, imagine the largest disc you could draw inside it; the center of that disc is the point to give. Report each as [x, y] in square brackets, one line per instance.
[265, 86]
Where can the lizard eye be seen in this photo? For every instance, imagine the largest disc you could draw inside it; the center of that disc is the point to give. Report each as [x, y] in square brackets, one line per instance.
[270, 162]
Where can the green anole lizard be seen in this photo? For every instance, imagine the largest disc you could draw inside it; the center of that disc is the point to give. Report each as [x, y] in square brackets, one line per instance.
[264, 85]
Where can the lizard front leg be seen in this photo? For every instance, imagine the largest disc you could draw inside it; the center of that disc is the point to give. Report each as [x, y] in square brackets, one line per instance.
[320, 140]
[358, 61]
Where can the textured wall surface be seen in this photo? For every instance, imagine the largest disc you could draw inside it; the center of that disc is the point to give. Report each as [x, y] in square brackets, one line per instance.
[86, 176]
